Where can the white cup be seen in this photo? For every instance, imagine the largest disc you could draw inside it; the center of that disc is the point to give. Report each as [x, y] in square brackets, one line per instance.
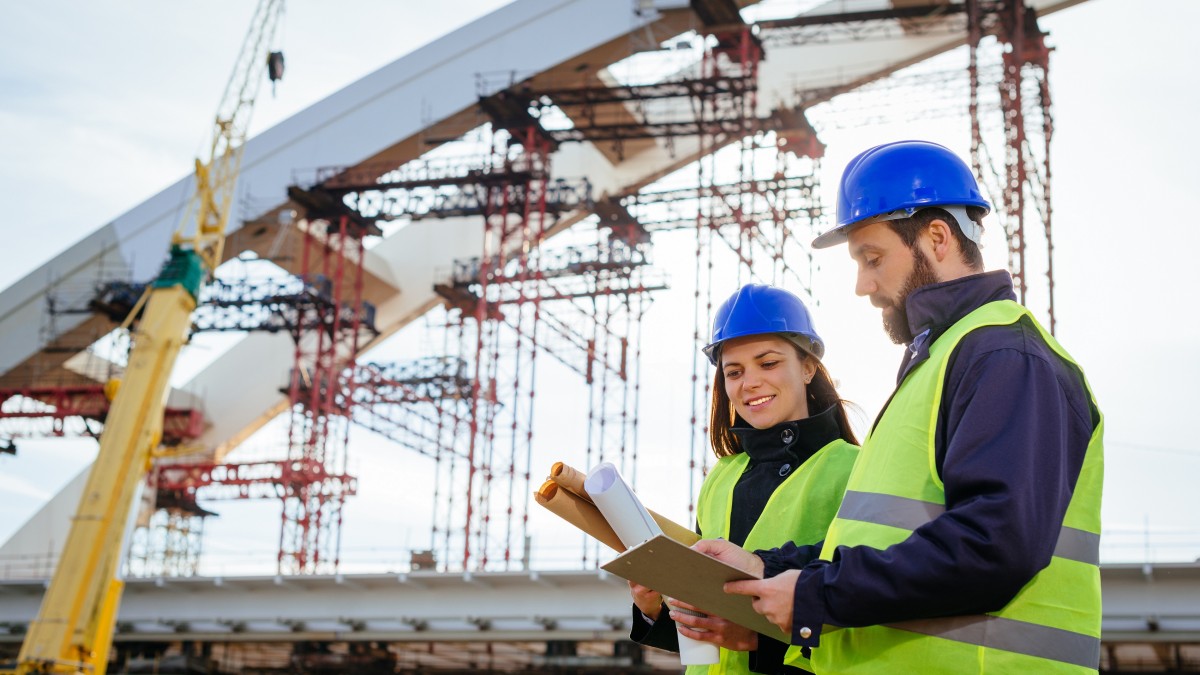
[696, 652]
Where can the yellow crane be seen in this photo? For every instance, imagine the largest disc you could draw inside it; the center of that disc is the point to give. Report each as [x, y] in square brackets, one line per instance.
[72, 632]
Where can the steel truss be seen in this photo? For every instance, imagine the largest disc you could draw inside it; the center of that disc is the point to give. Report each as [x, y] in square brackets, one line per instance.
[78, 410]
[835, 27]
[447, 188]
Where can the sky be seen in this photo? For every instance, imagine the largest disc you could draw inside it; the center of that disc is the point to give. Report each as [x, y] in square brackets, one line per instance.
[105, 104]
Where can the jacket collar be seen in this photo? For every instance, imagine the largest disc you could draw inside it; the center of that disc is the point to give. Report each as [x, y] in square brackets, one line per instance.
[934, 308]
[795, 441]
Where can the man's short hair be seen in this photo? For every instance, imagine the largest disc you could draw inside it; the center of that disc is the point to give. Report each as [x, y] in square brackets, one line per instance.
[909, 228]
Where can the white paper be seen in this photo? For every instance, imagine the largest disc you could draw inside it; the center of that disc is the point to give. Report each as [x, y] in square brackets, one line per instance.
[620, 506]
[633, 525]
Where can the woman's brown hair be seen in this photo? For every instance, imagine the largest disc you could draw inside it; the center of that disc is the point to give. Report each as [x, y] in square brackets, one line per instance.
[821, 395]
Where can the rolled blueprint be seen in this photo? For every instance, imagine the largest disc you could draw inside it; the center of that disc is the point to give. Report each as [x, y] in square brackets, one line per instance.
[634, 524]
[620, 506]
[572, 479]
[579, 512]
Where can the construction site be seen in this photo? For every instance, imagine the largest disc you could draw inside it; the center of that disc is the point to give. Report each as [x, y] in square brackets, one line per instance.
[440, 280]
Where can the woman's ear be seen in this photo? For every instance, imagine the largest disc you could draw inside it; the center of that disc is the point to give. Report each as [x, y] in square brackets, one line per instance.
[810, 368]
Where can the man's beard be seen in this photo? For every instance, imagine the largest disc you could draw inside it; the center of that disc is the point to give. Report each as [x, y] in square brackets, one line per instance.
[895, 323]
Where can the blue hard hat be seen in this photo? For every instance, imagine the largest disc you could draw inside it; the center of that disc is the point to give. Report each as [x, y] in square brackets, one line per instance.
[895, 180]
[756, 309]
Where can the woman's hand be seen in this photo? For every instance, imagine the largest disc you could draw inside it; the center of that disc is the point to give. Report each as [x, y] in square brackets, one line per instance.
[731, 554]
[648, 602]
[694, 623]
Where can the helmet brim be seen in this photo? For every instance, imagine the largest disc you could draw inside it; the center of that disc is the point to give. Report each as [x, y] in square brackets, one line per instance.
[808, 344]
[841, 233]
[838, 235]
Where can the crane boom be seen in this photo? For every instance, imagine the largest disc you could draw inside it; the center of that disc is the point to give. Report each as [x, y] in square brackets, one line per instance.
[72, 632]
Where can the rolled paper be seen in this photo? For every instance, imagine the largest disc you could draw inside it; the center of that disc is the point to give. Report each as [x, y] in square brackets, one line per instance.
[569, 478]
[573, 479]
[620, 506]
[674, 530]
[579, 512]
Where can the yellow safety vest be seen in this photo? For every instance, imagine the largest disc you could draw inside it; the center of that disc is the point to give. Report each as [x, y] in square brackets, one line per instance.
[1053, 623]
[799, 511]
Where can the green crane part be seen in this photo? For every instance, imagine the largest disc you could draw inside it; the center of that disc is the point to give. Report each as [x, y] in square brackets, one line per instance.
[184, 268]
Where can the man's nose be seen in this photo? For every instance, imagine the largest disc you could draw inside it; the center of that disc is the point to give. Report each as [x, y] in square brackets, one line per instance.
[864, 285]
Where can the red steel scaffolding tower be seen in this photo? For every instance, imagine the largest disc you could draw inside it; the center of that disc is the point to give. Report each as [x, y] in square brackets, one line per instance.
[758, 213]
[1020, 186]
[1011, 124]
[321, 393]
[579, 305]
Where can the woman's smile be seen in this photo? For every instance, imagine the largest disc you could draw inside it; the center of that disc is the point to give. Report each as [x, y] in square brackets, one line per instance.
[760, 402]
[765, 377]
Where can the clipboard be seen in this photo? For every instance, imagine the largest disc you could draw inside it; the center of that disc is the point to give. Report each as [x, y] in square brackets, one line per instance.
[677, 571]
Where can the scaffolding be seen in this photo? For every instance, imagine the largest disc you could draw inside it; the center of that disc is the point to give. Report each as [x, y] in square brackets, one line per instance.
[168, 539]
[1005, 86]
[745, 198]
[65, 391]
[472, 407]
[323, 312]
[1017, 174]
[758, 211]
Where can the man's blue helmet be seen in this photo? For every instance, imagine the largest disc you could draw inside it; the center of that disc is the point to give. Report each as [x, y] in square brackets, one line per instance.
[756, 309]
[895, 180]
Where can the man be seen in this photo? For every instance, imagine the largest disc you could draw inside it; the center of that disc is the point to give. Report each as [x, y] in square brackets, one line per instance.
[968, 538]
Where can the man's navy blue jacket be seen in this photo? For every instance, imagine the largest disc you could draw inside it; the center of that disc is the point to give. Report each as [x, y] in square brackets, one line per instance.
[1012, 430]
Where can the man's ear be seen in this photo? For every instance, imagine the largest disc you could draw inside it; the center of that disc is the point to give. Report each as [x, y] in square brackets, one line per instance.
[940, 239]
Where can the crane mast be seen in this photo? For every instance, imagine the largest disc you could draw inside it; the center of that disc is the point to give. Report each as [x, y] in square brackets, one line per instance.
[73, 630]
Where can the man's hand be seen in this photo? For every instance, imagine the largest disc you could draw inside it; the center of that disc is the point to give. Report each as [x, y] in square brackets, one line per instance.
[648, 602]
[731, 554]
[773, 598]
[709, 628]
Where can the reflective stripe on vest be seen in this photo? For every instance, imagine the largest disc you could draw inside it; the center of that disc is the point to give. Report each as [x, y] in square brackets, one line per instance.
[909, 514]
[1010, 635]
[799, 510]
[1051, 626]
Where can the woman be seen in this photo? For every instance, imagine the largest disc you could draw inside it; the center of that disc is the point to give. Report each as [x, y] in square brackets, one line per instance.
[785, 449]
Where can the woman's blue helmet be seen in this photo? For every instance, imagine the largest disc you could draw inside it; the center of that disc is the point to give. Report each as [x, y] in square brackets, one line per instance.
[895, 180]
[756, 309]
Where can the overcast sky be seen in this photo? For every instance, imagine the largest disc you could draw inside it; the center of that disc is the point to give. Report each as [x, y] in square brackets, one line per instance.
[105, 104]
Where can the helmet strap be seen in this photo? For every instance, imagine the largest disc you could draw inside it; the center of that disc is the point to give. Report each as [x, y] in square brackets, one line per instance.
[970, 229]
